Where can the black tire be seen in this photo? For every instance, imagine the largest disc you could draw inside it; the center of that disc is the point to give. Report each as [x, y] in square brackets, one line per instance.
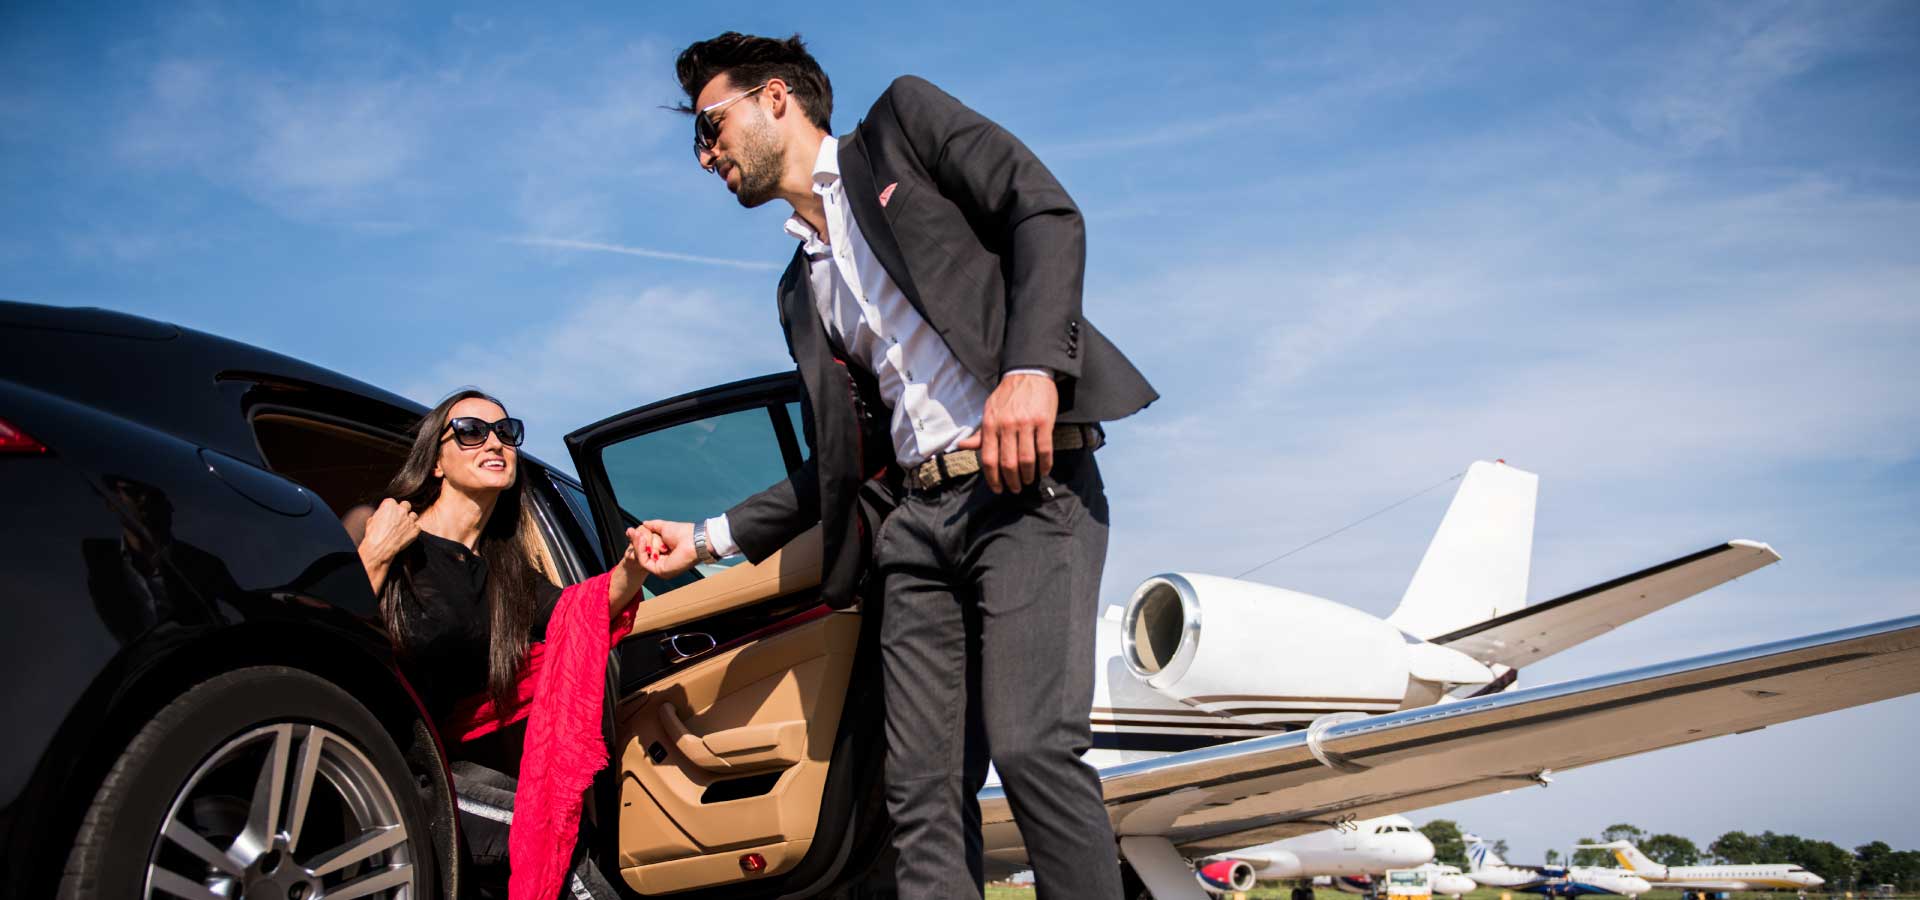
[189, 739]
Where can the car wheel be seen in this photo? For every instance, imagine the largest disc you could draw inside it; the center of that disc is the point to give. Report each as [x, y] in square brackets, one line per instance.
[266, 782]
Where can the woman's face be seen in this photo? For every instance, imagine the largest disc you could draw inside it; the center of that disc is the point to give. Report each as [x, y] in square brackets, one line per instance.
[488, 468]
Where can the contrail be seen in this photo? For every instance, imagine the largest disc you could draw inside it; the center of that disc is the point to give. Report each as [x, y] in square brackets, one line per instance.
[565, 244]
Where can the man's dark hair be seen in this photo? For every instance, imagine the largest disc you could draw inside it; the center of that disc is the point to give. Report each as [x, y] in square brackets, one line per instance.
[748, 61]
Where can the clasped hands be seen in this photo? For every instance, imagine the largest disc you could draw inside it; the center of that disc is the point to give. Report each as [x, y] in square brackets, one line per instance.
[1015, 442]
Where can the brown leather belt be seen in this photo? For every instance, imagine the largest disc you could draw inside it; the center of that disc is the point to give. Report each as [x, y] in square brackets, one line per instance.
[943, 467]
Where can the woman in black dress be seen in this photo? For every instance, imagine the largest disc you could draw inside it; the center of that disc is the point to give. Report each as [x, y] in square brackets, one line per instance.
[453, 554]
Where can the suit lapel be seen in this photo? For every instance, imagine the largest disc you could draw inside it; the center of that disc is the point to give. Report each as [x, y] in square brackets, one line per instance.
[863, 197]
[805, 331]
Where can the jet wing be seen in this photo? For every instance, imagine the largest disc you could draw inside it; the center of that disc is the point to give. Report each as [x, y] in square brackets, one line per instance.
[1217, 799]
[1528, 635]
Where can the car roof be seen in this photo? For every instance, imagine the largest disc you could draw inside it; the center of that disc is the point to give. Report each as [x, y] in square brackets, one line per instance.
[180, 380]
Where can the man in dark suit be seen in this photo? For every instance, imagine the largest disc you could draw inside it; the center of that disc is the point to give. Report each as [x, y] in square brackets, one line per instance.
[933, 309]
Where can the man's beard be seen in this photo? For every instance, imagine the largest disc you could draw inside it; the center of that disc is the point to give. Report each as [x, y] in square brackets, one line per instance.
[760, 161]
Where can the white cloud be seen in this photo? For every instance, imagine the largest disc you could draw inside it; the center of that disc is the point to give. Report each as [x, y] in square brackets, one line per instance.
[1710, 85]
[309, 149]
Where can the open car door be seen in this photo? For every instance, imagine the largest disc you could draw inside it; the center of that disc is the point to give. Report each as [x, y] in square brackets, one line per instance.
[744, 725]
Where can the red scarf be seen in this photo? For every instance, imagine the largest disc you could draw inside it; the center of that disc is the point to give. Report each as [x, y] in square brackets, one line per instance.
[560, 692]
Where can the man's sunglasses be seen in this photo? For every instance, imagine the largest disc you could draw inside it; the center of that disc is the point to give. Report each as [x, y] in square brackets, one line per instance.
[706, 125]
[470, 432]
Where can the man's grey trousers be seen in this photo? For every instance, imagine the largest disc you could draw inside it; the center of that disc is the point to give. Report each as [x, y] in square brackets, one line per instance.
[987, 650]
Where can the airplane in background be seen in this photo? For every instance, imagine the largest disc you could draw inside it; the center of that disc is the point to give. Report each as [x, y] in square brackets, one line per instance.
[1359, 848]
[1201, 752]
[1448, 880]
[1461, 629]
[1700, 880]
[1554, 881]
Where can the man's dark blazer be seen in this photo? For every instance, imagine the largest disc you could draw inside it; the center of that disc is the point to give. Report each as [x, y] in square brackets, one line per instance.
[990, 250]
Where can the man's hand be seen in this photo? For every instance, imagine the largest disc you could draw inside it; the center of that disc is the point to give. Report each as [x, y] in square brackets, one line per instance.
[1016, 434]
[672, 548]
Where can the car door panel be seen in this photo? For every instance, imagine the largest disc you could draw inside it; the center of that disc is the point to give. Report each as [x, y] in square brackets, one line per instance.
[676, 830]
[727, 701]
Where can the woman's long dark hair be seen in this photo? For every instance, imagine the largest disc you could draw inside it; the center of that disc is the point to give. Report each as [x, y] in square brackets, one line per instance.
[508, 544]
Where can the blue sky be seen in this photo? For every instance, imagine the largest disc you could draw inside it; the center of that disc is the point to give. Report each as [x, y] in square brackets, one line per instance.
[1661, 254]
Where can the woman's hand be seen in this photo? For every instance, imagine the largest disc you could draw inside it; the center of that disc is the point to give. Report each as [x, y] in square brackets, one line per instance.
[630, 572]
[390, 530]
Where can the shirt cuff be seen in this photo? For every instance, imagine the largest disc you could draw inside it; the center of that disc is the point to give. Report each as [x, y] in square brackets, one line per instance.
[1043, 373]
[720, 537]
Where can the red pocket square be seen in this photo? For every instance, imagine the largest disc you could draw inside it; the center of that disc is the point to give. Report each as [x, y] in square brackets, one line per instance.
[886, 193]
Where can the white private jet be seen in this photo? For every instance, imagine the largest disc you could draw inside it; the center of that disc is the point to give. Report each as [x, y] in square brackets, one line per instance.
[1712, 879]
[1553, 881]
[1367, 847]
[1462, 628]
[1228, 713]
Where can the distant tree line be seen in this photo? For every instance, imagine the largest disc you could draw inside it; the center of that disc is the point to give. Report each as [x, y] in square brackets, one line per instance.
[1867, 865]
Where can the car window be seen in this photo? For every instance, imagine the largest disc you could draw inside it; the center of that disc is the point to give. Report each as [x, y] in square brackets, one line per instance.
[799, 427]
[688, 472]
[576, 503]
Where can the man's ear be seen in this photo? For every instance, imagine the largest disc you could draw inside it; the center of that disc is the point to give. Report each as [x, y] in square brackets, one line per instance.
[779, 98]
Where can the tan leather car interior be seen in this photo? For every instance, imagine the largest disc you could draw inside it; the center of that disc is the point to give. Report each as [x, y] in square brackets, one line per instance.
[728, 757]
[791, 569]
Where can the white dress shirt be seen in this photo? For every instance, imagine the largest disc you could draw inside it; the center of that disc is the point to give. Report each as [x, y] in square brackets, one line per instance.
[936, 403]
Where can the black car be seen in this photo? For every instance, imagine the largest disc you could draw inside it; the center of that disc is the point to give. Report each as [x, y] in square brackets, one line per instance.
[203, 702]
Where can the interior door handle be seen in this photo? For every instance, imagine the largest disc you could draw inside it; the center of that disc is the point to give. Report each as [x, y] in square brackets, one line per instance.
[687, 645]
[749, 748]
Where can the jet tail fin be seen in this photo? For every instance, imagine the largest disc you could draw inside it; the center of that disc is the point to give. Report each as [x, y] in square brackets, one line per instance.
[1480, 855]
[1477, 565]
[1629, 856]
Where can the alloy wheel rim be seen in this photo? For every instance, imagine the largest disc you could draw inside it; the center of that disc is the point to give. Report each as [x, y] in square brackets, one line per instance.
[287, 811]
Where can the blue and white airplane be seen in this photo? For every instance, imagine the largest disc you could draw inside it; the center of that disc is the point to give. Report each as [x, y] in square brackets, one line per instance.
[1553, 881]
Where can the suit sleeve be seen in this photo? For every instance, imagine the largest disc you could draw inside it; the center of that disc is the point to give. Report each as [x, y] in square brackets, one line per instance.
[1004, 189]
[765, 522]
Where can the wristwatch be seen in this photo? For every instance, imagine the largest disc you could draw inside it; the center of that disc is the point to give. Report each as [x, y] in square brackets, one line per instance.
[702, 551]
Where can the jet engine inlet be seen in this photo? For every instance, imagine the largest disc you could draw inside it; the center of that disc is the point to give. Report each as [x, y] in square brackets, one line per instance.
[1225, 876]
[1160, 618]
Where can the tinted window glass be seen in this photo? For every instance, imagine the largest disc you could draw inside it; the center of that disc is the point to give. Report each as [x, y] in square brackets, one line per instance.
[689, 472]
[576, 501]
[800, 429]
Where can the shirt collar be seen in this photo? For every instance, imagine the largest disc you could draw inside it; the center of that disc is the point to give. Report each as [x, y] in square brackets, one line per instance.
[826, 174]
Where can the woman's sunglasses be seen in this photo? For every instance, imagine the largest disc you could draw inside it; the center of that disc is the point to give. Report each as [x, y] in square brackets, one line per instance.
[470, 432]
[706, 124]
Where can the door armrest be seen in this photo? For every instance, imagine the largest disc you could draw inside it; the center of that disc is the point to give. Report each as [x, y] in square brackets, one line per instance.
[793, 568]
[749, 748]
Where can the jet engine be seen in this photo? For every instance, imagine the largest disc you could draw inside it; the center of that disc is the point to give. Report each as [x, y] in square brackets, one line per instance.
[1223, 876]
[1268, 655]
